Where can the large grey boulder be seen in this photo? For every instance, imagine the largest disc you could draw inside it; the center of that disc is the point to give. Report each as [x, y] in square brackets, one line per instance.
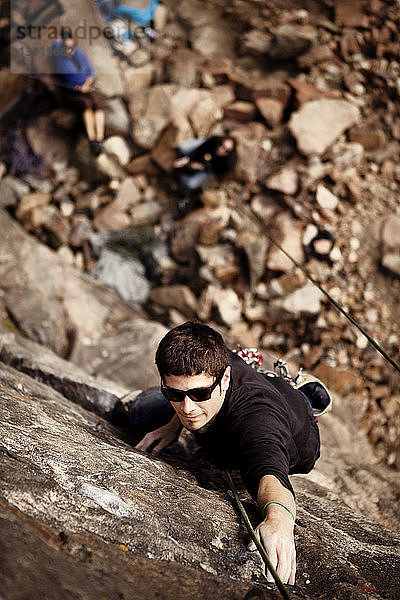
[125, 275]
[96, 394]
[104, 334]
[39, 318]
[80, 508]
[125, 354]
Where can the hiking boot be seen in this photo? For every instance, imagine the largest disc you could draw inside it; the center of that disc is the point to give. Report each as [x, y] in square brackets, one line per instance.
[95, 147]
[119, 415]
[315, 392]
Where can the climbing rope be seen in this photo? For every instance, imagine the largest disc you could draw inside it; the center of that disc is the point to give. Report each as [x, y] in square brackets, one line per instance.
[255, 539]
[261, 227]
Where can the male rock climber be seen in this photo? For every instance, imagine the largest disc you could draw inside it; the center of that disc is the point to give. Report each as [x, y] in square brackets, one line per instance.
[242, 418]
[74, 71]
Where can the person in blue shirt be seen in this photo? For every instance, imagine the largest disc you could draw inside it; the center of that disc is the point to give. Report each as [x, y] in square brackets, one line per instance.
[75, 73]
[152, 17]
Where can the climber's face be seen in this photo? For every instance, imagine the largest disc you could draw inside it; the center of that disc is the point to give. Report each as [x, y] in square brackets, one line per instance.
[192, 414]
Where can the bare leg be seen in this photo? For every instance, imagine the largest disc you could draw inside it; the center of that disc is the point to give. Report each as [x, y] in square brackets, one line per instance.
[90, 124]
[99, 121]
[160, 18]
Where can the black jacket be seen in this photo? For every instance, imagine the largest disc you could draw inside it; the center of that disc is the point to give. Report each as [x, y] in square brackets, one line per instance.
[265, 427]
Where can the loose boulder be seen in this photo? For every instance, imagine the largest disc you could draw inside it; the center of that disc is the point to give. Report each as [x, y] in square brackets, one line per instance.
[318, 123]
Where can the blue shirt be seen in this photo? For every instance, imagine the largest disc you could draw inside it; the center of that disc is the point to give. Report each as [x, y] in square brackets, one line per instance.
[143, 16]
[72, 69]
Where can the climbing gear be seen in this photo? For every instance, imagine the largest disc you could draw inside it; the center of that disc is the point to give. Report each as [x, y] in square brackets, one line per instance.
[311, 387]
[254, 359]
[280, 504]
[315, 391]
[251, 356]
[240, 206]
[255, 539]
[201, 394]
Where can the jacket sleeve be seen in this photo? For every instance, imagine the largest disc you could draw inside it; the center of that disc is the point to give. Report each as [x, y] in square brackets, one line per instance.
[263, 437]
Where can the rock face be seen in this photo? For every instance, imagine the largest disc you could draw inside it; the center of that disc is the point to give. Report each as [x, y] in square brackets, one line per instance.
[95, 320]
[73, 487]
[309, 95]
[84, 487]
[98, 394]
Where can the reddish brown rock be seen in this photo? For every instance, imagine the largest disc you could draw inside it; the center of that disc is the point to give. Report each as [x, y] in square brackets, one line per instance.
[49, 218]
[342, 381]
[164, 153]
[271, 110]
[316, 55]
[240, 111]
[244, 334]
[142, 164]
[255, 42]
[378, 392]
[128, 195]
[111, 218]
[249, 140]
[138, 78]
[226, 274]
[203, 115]
[290, 240]
[215, 223]
[351, 13]
[289, 282]
[185, 237]
[184, 67]
[29, 202]
[179, 297]
[213, 198]
[305, 91]
[370, 137]
[223, 95]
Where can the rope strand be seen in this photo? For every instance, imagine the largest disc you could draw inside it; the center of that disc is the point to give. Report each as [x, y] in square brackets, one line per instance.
[255, 539]
[307, 273]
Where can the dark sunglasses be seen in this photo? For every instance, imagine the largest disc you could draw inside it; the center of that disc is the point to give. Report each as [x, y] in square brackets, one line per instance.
[196, 394]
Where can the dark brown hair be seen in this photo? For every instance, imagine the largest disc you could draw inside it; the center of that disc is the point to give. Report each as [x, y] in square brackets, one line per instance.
[191, 349]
